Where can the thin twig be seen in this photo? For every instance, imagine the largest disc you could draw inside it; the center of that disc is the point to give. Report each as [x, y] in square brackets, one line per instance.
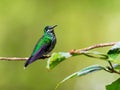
[19, 58]
[79, 51]
[13, 58]
[111, 66]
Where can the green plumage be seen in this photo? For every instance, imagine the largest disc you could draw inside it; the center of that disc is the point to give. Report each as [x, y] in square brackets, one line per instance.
[44, 45]
[45, 40]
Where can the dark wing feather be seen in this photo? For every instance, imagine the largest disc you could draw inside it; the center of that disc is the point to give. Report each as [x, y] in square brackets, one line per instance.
[38, 54]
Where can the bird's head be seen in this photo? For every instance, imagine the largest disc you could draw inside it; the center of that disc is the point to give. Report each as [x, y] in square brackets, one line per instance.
[49, 29]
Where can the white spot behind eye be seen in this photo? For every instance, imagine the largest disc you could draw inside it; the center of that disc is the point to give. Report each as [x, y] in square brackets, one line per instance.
[49, 30]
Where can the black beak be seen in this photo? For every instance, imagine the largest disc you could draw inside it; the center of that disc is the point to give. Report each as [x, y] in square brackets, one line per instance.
[54, 26]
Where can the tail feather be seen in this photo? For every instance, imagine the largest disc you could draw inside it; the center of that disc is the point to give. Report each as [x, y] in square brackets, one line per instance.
[26, 64]
[33, 58]
[29, 61]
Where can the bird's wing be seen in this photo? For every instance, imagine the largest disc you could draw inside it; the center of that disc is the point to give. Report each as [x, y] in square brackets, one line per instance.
[39, 50]
[43, 42]
[42, 51]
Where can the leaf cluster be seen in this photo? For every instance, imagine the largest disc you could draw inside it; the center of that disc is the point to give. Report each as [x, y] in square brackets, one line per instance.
[111, 57]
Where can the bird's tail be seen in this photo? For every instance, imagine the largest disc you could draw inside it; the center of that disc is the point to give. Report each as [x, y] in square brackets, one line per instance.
[29, 61]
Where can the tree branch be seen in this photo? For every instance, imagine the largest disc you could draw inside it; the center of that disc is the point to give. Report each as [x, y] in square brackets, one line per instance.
[79, 51]
[13, 58]
[19, 58]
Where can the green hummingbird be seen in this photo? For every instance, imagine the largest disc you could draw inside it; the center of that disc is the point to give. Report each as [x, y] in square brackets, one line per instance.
[44, 45]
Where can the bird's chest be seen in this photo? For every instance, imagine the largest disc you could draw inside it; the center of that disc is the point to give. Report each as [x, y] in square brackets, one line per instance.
[51, 45]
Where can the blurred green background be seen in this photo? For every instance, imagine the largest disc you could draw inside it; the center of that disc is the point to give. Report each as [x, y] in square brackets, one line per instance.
[81, 23]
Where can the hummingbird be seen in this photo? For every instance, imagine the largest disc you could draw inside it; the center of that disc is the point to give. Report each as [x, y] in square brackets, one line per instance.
[44, 45]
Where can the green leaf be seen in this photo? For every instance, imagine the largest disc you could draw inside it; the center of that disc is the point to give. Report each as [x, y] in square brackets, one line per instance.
[82, 72]
[95, 54]
[116, 66]
[114, 51]
[114, 86]
[57, 58]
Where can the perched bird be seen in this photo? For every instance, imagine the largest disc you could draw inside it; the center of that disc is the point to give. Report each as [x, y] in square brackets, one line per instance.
[44, 45]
